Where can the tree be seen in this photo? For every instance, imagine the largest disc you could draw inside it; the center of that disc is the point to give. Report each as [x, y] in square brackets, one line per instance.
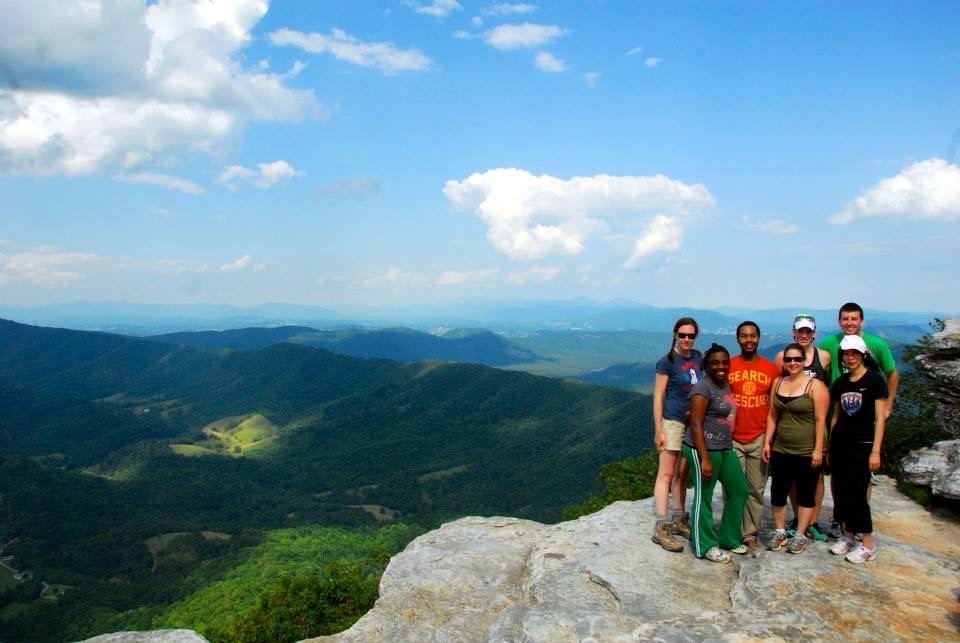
[630, 479]
[297, 608]
[913, 424]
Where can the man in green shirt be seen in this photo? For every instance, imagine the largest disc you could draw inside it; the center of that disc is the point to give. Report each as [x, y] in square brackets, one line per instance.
[851, 323]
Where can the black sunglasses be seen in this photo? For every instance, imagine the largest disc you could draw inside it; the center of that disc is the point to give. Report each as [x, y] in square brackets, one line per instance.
[687, 335]
[787, 360]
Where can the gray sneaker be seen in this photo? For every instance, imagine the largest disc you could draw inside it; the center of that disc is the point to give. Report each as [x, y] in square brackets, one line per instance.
[663, 536]
[797, 544]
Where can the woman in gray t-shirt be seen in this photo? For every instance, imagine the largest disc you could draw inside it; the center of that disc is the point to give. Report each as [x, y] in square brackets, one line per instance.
[708, 447]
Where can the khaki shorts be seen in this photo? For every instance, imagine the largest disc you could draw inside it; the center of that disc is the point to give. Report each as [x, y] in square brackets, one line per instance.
[674, 431]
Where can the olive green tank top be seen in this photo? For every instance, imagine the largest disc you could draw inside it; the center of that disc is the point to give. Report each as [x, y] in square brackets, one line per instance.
[796, 423]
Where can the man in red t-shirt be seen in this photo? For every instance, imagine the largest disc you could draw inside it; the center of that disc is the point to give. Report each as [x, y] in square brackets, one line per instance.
[751, 376]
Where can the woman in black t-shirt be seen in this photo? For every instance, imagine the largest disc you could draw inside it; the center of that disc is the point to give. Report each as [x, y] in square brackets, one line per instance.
[859, 398]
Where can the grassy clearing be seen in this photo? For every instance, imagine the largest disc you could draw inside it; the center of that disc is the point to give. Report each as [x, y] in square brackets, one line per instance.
[379, 512]
[443, 473]
[240, 435]
[192, 450]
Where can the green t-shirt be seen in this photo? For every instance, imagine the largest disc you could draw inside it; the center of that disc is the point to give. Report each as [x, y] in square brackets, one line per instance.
[878, 347]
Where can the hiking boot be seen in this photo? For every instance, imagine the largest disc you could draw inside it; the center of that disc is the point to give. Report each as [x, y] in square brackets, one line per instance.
[717, 555]
[663, 536]
[681, 526]
[861, 554]
[814, 533]
[842, 546]
[797, 545]
[778, 541]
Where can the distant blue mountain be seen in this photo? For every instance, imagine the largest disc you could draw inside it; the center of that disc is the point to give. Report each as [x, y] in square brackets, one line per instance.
[400, 344]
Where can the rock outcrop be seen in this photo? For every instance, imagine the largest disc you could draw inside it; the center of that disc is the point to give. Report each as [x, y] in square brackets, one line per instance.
[937, 467]
[943, 365]
[600, 578]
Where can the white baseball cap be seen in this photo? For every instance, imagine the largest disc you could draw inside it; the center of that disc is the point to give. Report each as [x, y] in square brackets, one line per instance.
[854, 343]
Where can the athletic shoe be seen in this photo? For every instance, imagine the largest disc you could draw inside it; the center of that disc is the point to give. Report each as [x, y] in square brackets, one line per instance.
[797, 545]
[681, 526]
[859, 537]
[740, 550]
[663, 536]
[717, 555]
[814, 533]
[792, 527]
[834, 530]
[842, 546]
[778, 541]
[751, 543]
[861, 554]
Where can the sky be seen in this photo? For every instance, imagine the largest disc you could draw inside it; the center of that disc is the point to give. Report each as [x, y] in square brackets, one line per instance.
[344, 153]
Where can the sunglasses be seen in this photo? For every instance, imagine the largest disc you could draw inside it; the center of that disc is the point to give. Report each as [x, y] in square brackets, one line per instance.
[687, 335]
[788, 360]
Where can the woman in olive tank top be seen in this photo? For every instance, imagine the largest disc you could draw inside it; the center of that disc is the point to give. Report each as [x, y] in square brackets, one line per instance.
[794, 445]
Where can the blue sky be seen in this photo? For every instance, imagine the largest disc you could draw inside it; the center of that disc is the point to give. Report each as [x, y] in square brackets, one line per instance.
[352, 152]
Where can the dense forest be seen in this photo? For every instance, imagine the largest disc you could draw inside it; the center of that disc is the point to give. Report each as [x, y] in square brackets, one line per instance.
[139, 478]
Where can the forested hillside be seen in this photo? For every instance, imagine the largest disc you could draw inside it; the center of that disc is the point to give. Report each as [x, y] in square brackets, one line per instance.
[119, 453]
[400, 344]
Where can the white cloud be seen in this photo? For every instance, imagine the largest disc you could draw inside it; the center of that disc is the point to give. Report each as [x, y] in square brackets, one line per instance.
[773, 226]
[237, 264]
[523, 36]
[663, 234]
[506, 9]
[395, 276]
[436, 8]
[529, 217]
[383, 56]
[163, 181]
[547, 62]
[47, 267]
[359, 188]
[926, 190]
[178, 266]
[124, 85]
[536, 274]
[463, 35]
[652, 61]
[264, 177]
[591, 78]
[634, 51]
[477, 21]
[457, 277]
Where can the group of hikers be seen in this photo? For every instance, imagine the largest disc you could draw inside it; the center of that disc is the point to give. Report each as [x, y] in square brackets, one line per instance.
[734, 420]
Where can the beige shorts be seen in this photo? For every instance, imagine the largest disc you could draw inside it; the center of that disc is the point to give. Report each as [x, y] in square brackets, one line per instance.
[674, 431]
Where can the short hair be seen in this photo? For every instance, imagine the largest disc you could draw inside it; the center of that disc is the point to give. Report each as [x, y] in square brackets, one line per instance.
[748, 323]
[850, 307]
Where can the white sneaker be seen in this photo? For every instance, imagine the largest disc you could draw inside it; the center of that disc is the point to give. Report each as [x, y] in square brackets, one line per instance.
[717, 555]
[842, 546]
[861, 554]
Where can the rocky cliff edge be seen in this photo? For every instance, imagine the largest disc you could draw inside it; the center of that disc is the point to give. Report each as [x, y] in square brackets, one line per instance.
[600, 578]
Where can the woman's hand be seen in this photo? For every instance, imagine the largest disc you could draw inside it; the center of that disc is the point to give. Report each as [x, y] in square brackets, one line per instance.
[660, 440]
[816, 458]
[765, 454]
[706, 468]
[874, 461]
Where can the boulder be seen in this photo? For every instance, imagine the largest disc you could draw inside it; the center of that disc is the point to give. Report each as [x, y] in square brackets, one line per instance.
[155, 636]
[937, 467]
[600, 578]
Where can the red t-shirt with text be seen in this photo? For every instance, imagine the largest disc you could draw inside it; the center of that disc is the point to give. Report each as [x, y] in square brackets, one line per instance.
[751, 382]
